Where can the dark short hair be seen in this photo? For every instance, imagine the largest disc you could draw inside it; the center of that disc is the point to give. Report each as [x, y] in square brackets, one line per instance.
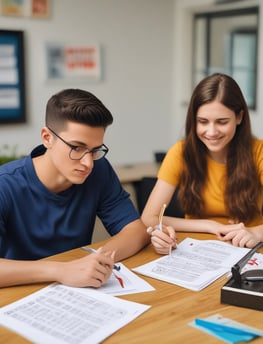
[78, 106]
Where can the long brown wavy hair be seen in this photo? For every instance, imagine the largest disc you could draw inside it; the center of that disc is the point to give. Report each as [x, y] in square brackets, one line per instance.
[242, 181]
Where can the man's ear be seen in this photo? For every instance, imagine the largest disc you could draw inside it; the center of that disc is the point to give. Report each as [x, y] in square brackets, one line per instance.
[47, 137]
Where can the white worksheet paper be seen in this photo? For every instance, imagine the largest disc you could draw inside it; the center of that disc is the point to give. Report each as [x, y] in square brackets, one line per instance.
[132, 283]
[255, 262]
[65, 315]
[195, 263]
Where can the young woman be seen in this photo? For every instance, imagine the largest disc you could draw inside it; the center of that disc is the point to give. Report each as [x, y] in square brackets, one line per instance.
[218, 168]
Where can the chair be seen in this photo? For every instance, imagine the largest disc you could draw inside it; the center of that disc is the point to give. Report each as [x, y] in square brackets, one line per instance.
[143, 189]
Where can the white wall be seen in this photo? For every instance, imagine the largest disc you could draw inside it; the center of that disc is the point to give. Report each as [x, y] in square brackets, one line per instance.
[136, 38]
[146, 61]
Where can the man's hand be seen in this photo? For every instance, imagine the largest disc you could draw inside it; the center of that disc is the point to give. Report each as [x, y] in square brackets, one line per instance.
[90, 271]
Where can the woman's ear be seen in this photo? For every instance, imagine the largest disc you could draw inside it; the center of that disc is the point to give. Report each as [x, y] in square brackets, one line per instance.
[47, 138]
[239, 117]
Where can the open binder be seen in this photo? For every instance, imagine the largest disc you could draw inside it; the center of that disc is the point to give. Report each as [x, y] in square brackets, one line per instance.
[244, 289]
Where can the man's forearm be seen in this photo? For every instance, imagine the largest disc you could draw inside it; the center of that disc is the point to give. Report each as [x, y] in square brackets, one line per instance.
[14, 272]
[129, 241]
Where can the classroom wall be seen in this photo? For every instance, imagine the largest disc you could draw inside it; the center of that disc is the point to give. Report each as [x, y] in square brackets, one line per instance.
[136, 40]
[182, 51]
[146, 50]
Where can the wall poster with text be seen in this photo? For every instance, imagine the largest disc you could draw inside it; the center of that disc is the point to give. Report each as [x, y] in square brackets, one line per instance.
[12, 77]
[73, 61]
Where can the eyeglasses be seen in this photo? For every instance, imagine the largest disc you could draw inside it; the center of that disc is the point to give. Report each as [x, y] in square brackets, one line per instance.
[78, 152]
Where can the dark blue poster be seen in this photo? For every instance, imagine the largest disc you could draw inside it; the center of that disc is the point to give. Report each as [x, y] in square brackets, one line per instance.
[12, 77]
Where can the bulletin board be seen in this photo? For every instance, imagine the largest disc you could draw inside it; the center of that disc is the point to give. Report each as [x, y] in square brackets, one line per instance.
[12, 77]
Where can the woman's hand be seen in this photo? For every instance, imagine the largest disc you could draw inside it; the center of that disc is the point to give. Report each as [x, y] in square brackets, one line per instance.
[239, 235]
[162, 240]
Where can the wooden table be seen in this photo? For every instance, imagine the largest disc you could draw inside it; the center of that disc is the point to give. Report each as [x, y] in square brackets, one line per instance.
[172, 308]
[135, 172]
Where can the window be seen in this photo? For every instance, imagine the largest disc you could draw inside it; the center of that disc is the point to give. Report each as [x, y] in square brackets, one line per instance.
[226, 42]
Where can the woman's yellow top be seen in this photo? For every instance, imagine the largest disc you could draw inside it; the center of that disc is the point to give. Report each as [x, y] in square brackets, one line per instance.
[213, 193]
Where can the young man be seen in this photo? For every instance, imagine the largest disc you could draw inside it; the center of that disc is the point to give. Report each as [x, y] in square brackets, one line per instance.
[49, 200]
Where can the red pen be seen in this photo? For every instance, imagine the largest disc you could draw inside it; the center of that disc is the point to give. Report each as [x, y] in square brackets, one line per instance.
[120, 280]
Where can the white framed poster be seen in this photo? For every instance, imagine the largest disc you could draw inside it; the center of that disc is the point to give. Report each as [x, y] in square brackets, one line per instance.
[67, 61]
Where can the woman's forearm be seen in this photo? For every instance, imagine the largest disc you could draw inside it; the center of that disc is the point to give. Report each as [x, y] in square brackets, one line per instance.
[191, 225]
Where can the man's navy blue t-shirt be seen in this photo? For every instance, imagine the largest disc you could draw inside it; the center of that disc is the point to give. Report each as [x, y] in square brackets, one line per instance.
[36, 223]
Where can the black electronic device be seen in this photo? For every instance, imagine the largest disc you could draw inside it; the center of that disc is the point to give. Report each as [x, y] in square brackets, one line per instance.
[244, 289]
